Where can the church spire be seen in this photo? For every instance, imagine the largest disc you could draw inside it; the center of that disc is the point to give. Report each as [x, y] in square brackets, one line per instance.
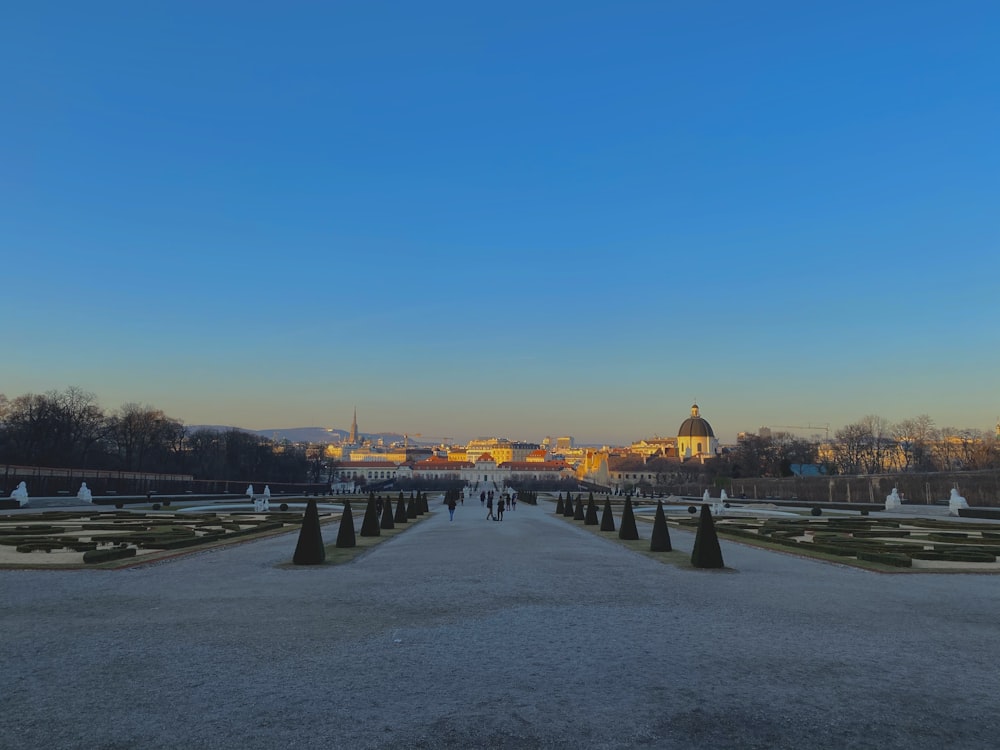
[353, 437]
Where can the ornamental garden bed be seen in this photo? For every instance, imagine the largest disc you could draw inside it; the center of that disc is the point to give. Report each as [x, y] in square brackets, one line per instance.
[67, 540]
[917, 545]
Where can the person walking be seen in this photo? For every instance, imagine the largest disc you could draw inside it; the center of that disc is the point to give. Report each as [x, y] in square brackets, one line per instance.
[482, 497]
[489, 509]
[451, 507]
[500, 508]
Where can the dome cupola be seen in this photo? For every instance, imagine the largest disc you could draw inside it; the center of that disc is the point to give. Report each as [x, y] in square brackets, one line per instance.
[695, 426]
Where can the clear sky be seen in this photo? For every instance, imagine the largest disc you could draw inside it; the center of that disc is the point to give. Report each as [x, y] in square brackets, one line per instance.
[516, 219]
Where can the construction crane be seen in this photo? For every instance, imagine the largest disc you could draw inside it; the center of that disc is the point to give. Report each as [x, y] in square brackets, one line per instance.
[825, 427]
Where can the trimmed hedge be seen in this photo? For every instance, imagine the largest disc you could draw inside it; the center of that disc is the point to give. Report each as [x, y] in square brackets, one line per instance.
[19, 540]
[46, 545]
[831, 549]
[106, 555]
[895, 559]
[38, 530]
[968, 556]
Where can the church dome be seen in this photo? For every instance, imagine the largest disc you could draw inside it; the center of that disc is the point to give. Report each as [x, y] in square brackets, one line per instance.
[695, 426]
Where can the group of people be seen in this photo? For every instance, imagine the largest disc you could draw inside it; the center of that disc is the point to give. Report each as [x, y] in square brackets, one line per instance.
[502, 501]
[486, 499]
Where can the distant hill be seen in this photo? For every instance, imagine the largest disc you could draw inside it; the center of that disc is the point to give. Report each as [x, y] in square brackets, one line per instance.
[304, 434]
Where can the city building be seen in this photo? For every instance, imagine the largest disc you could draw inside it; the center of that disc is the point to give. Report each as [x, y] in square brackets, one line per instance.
[500, 449]
[695, 438]
[647, 461]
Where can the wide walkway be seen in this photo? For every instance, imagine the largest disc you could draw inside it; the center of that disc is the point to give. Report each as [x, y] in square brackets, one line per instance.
[530, 633]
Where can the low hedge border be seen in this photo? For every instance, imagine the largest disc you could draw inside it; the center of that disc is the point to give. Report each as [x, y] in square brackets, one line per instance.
[107, 555]
[894, 559]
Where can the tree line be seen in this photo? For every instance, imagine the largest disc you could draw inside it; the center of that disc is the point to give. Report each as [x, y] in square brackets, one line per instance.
[871, 445]
[70, 429]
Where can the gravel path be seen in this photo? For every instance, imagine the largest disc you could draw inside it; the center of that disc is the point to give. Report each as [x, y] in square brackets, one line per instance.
[530, 633]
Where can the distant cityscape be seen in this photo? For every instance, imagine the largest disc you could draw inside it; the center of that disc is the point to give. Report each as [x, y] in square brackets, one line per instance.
[69, 435]
[876, 447]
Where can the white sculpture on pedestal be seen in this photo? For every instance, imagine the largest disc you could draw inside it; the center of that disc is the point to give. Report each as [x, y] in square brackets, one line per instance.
[249, 492]
[20, 494]
[267, 498]
[955, 502]
[84, 495]
[893, 501]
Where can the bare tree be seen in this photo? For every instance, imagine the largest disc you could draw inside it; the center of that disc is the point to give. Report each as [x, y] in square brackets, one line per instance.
[915, 439]
[53, 429]
[141, 436]
[850, 447]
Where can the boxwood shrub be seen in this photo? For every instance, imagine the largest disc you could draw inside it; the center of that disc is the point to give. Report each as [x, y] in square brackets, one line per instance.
[895, 559]
[962, 555]
[105, 555]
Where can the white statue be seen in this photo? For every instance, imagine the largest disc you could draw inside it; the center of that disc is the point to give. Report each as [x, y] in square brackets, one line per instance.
[20, 494]
[893, 501]
[723, 497]
[84, 495]
[955, 502]
[706, 497]
[249, 492]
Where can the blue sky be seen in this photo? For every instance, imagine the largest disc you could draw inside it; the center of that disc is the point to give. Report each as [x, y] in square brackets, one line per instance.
[518, 219]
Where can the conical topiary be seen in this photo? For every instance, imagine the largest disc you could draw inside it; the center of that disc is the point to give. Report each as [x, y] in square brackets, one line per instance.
[628, 529]
[369, 526]
[659, 541]
[591, 519]
[559, 505]
[706, 553]
[310, 549]
[607, 518]
[387, 522]
[401, 515]
[424, 508]
[578, 514]
[411, 509]
[568, 506]
[345, 535]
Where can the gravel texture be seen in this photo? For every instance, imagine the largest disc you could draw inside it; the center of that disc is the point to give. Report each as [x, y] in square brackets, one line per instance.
[530, 633]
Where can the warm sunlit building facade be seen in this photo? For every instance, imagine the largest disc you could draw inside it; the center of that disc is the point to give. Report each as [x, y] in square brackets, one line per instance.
[695, 438]
[500, 449]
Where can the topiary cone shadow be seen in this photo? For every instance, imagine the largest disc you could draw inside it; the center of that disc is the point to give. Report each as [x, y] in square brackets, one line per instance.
[706, 553]
[310, 550]
[370, 526]
[387, 522]
[628, 529]
[345, 535]
[401, 514]
[659, 541]
[607, 518]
